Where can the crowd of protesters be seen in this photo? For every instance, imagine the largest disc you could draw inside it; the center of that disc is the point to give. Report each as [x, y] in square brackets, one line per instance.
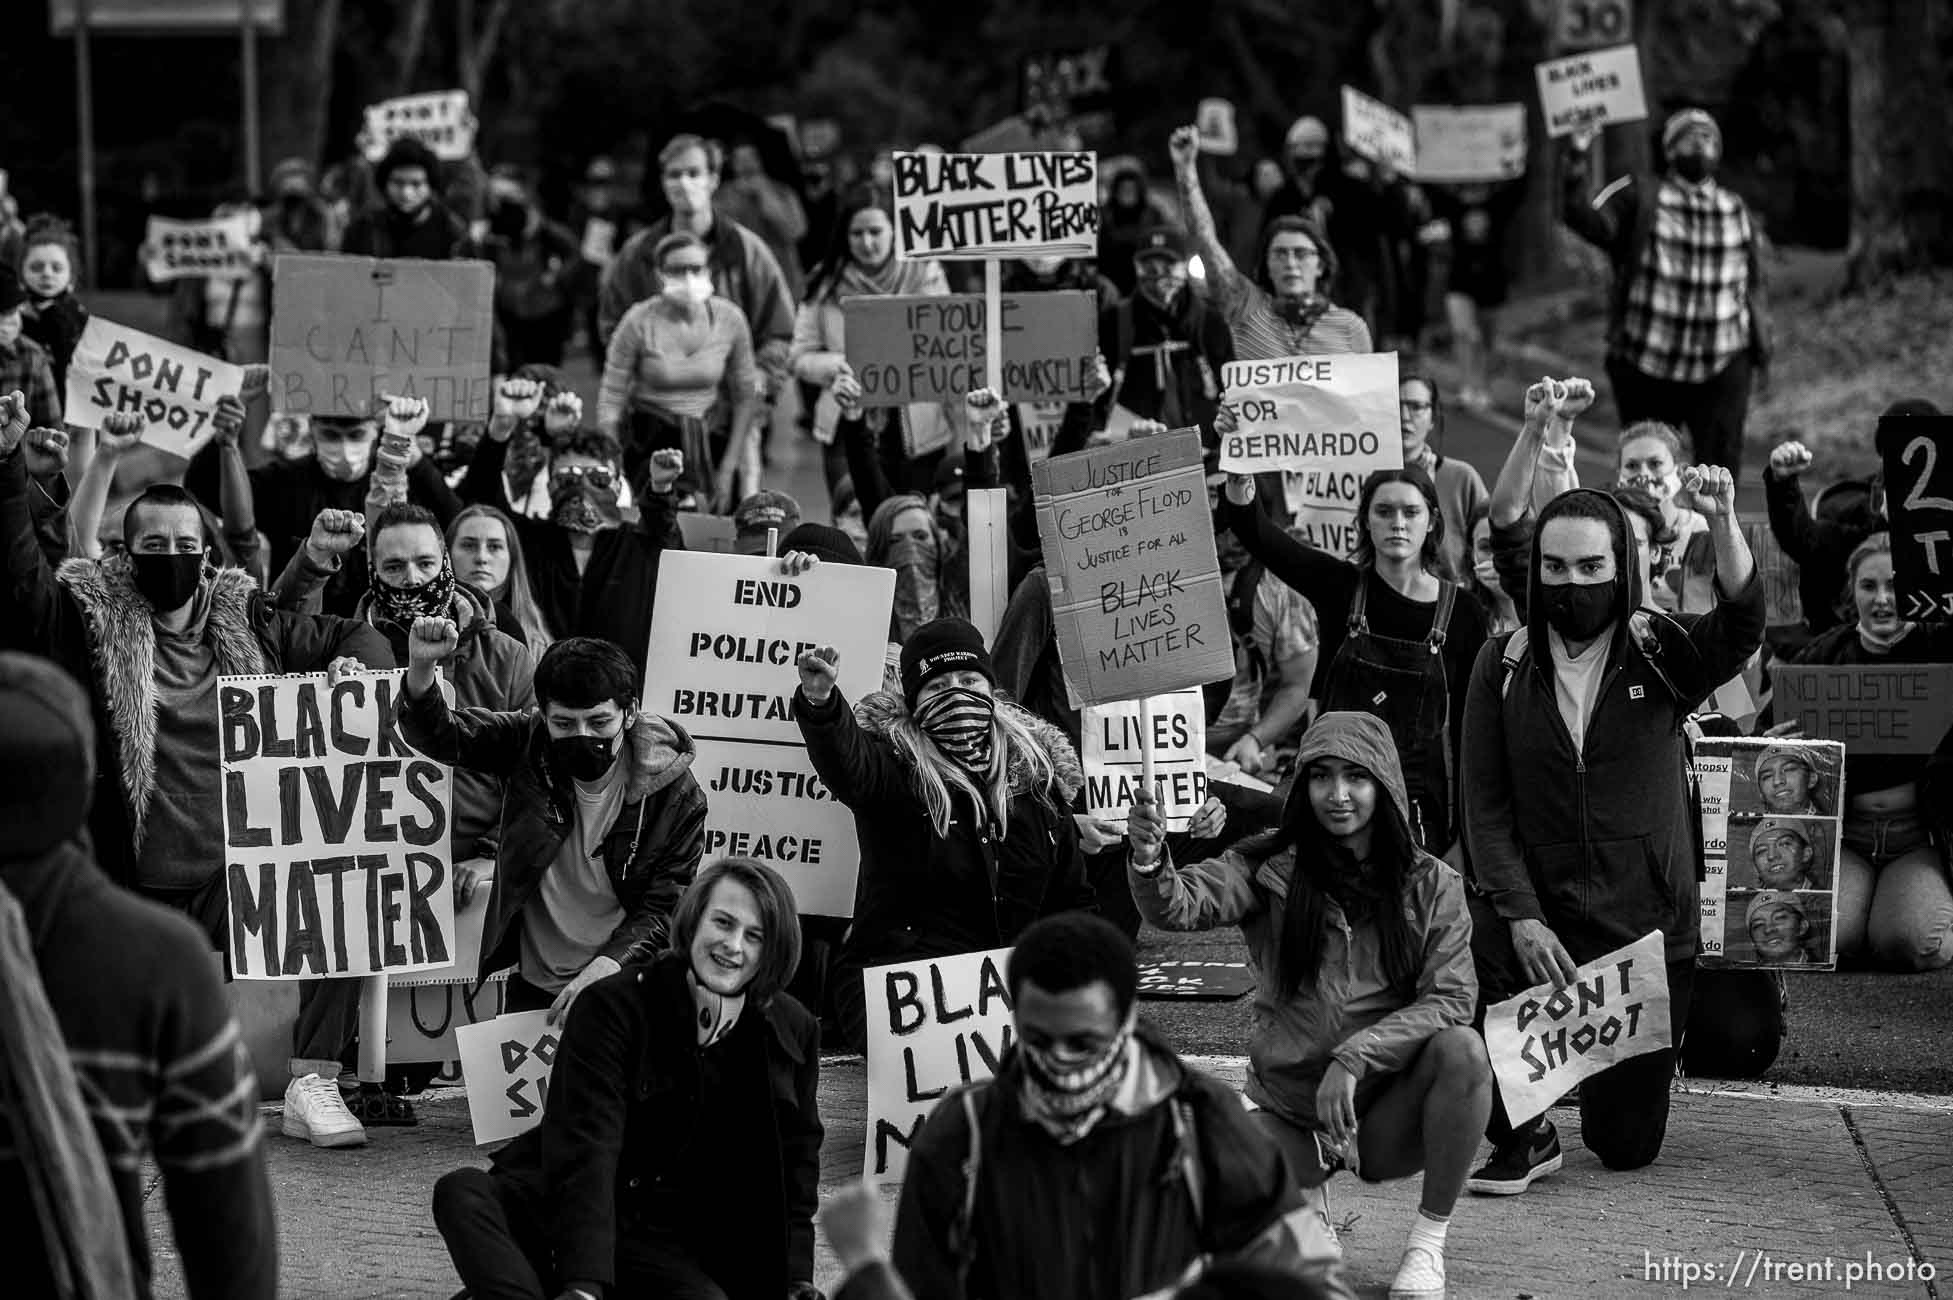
[1477, 724]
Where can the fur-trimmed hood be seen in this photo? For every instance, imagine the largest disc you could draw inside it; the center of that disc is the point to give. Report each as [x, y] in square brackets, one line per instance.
[876, 714]
[122, 643]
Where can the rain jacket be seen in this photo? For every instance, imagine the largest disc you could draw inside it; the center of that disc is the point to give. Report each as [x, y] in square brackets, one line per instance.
[1351, 1013]
[1600, 843]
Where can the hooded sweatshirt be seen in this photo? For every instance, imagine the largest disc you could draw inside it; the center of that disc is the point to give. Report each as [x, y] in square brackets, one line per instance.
[1351, 1012]
[1597, 840]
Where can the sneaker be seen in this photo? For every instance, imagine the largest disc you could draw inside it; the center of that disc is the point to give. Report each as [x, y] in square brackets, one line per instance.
[1515, 1166]
[1420, 1276]
[315, 1111]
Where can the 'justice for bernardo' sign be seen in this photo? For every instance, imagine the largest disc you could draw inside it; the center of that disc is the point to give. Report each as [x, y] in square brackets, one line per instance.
[1334, 412]
[335, 831]
[975, 205]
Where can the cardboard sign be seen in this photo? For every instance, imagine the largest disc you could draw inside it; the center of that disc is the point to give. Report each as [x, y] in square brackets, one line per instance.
[1545, 1040]
[1195, 981]
[335, 832]
[506, 1064]
[1771, 833]
[934, 349]
[1873, 708]
[441, 120]
[974, 205]
[174, 389]
[1462, 145]
[1587, 24]
[1040, 423]
[1112, 737]
[707, 532]
[1917, 454]
[1591, 90]
[1062, 85]
[932, 1025]
[1783, 597]
[1335, 412]
[218, 248]
[1129, 553]
[348, 331]
[726, 633]
[1214, 123]
[422, 1019]
[1379, 132]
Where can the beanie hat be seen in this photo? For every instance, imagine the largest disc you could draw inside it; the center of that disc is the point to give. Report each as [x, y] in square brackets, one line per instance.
[1687, 120]
[293, 174]
[945, 646]
[47, 749]
[407, 152]
[830, 544]
[1772, 898]
[1308, 131]
[1778, 826]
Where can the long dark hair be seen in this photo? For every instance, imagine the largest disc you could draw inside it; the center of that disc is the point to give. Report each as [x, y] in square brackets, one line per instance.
[1321, 863]
[838, 255]
[1292, 225]
[1366, 549]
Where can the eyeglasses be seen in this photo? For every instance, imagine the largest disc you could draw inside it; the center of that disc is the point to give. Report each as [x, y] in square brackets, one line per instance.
[1304, 255]
[1414, 408]
[684, 268]
[597, 476]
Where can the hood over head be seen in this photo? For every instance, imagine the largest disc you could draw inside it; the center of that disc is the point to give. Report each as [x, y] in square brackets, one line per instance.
[1360, 738]
[1628, 595]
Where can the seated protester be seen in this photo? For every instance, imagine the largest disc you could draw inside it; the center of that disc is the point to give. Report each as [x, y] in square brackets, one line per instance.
[1461, 490]
[1398, 640]
[602, 822]
[1894, 906]
[1095, 1165]
[761, 513]
[1821, 542]
[1165, 345]
[120, 1046]
[961, 801]
[591, 574]
[25, 366]
[1277, 651]
[1578, 819]
[1779, 930]
[149, 632]
[1363, 1055]
[339, 475]
[1538, 468]
[679, 1150]
[488, 554]
[1649, 456]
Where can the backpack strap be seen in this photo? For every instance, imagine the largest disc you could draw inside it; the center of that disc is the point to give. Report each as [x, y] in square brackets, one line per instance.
[1359, 621]
[1516, 647]
[962, 1232]
[1441, 618]
[1186, 1137]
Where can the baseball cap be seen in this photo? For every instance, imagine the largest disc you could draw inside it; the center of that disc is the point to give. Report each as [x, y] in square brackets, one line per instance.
[762, 510]
[1162, 241]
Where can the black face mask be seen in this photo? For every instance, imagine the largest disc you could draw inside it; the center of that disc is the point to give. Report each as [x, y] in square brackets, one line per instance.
[1579, 611]
[1694, 168]
[508, 219]
[585, 758]
[167, 581]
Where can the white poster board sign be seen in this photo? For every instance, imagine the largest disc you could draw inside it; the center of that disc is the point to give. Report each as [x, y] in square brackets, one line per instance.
[971, 205]
[1214, 121]
[216, 248]
[1477, 143]
[175, 390]
[1375, 130]
[1590, 90]
[440, 119]
[506, 1064]
[1333, 412]
[1112, 736]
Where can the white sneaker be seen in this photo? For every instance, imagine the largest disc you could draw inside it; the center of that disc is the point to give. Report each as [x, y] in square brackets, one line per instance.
[315, 1111]
[1419, 1277]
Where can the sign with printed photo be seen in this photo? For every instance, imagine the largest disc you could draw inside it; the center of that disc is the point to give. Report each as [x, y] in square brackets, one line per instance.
[1771, 835]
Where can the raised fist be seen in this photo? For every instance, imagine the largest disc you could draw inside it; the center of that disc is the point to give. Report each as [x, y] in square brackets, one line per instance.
[120, 431]
[13, 421]
[989, 418]
[562, 413]
[47, 451]
[1576, 396]
[1099, 382]
[228, 421]
[405, 417]
[257, 378]
[515, 401]
[667, 467]
[334, 532]
[1789, 459]
[1709, 490]
[817, 669]
[431, 641]
[1183, 146]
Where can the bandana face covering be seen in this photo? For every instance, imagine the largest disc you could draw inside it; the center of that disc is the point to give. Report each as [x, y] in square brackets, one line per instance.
[959, 720]
[430, 599]
[582, 507]
[717, 1013]
[1069, 1100]
[917, 599]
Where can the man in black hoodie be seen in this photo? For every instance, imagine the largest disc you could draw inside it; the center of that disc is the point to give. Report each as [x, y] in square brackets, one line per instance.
[1576, 795]
[1165, 348]
[410, 222]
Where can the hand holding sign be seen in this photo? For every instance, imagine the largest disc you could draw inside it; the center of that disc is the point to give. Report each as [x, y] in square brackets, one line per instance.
[120, 431]
[795, 563]
[817, 671]
[46, 451]
[1544, 957]
[666, 468]
[1145, 828]
[13, 422]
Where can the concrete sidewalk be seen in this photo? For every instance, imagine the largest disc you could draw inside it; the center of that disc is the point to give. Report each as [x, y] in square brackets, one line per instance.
[1768, 1187]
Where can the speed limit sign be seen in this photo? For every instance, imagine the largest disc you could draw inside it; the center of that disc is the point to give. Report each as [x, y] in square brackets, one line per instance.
[1591, 24]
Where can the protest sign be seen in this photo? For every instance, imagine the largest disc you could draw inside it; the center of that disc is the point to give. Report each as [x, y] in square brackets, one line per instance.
[1075, 86]
[347, 331]
[707, 532]
[1195, 981]
[1323, 502]
[506, 1064]
[1040, 422]
[1874, 708]
[1466, 144]
[1916, 452]
[1591, 90]
[422, 1019]
[1379, 132]
[932, 1025]
[1545, 1040]
[464, 966]
[174, 389]
[1585, 24]
[934, 349]
[335, 832]
[440, 119]
[1336, 412]
[973, 205]
[1771, 829]
[1214, 124]
[726, 634]
[1783, 598]
[1112, 752]
[1129, 554]
[216, 248]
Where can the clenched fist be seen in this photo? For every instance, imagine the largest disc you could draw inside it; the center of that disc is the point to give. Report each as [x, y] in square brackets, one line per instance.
[13, 422]
[47, 451]
[817, 669]
[989, 419]
[562, 413]
[228, 421]
[405, 417]
[1709, 490]
[334, 532]
[120, 431]
[1183, 146]
[1789, 459]
[667, 467]
[515, 401]
[431, 641]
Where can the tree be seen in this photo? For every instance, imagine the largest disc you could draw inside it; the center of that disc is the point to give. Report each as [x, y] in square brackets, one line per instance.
[298, 75]
[1901, 161]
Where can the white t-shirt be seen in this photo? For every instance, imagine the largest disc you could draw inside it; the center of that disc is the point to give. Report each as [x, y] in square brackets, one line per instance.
[575, 909]
[1576, 682]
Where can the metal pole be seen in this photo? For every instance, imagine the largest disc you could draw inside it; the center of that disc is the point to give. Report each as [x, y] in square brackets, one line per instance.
[248, 36]
[85, 114]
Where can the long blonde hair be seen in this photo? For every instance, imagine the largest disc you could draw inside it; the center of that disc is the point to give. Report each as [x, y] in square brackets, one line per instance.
[522, 601]
[1019, 764]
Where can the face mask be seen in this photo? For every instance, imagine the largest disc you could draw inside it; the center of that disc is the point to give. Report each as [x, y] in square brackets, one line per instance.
[1694, 168]
[583, 507]
[430, 599]
[1664, 488]
[1488, 574]
[1305, 167]
[167, 582]
[343, 461]
[959, 721]
[1579, 611]
[1069, 1097]
[689, 291]
[9, 328]
[1044, 267]
[509, 220]
[586, 758]
[916, 596]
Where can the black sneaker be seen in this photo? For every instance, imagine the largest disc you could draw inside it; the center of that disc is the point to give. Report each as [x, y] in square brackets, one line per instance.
[1514, 1167]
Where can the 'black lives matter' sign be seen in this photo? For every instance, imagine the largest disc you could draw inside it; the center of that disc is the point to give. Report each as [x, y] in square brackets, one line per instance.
[975, 205]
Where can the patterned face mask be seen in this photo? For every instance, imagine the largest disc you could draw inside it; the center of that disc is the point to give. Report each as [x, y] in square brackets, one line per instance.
[1070, 1098]
[959, 720]
[430, 599]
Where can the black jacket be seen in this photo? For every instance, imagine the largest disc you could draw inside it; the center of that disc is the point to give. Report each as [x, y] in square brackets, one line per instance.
[1194, 376]
[441, 236]
[624, 1098]
[650, 854]
[1821, 547]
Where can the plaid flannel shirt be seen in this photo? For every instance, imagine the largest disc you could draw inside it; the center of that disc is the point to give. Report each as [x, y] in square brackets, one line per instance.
[25, 369]
[1688, 312]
